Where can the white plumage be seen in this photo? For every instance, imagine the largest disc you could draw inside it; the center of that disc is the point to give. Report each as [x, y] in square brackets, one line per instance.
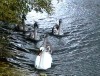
[44, 60]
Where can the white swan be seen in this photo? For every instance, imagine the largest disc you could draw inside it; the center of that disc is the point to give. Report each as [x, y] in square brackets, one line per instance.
[57, 28]
[43, 60]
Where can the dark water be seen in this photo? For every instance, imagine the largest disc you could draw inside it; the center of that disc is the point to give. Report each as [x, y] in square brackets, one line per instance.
[77, 54]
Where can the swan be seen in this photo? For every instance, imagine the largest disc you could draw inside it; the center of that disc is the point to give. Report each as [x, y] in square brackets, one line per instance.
[27, 33]
[34, 34]
[22, 26]
[44, 59]
[56, 30]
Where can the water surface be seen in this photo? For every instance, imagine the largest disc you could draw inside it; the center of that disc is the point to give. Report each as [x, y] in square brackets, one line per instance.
[77, 54]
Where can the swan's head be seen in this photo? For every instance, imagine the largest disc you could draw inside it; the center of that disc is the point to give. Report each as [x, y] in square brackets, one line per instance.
[36, 25]
[24, 17]
[42, 49]
[60, 21]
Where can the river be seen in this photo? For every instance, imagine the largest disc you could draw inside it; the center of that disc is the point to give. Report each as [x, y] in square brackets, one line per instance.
[78, 53]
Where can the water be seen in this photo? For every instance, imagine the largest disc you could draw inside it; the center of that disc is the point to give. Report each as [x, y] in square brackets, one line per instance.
[78, 53]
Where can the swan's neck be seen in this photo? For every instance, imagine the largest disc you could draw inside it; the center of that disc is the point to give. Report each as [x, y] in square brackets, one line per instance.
[45, 42]
[23, 24]
[59, 24]
[59, 30]
[35, 33]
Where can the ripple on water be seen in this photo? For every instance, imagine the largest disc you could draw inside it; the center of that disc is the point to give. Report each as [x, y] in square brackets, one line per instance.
[73, 55]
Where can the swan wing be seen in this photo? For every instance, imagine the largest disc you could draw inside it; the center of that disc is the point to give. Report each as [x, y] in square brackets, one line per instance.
[37, 61]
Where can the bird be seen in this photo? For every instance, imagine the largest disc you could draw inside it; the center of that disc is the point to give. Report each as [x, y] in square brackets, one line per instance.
[34, 34]
[27, 33]
[56, 30]
[44, 59]
[21, 26]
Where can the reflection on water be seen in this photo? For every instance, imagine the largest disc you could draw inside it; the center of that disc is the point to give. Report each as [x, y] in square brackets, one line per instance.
[74, 55]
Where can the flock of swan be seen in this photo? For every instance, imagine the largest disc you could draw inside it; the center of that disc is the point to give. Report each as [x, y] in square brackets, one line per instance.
[44, 58]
